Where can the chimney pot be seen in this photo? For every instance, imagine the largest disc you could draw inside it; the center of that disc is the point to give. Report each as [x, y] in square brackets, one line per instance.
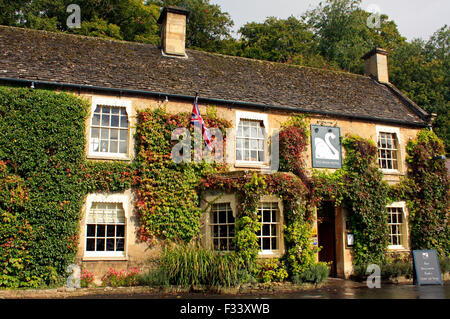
[377, 64]
[173, 30]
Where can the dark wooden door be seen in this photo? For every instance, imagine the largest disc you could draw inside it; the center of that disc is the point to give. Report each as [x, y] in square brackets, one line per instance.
[327, 238]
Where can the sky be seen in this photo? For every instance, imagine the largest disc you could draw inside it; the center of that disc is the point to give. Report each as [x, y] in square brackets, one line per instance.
[414, 18]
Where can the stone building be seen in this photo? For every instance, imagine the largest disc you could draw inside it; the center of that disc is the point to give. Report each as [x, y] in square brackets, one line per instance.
[119, 78]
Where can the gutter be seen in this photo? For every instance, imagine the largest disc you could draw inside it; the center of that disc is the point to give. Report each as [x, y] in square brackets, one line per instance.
[33, 83]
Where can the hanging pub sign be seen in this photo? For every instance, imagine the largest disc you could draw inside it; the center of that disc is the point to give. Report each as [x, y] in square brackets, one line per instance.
[326, 146]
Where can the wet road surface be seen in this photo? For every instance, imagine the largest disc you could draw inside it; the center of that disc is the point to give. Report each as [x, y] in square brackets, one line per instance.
[335, 289]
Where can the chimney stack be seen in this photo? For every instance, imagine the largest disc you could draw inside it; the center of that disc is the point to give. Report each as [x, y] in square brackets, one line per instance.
[173, 30]
[377, 65]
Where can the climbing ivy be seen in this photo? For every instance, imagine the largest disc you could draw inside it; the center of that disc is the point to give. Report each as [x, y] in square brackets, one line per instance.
[427, 191]
[44, 177]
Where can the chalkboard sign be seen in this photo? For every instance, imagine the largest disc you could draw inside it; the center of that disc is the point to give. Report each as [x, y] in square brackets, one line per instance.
[426, 266]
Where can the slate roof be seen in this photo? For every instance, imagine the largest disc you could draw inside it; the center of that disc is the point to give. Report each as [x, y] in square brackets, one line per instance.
[79, 60]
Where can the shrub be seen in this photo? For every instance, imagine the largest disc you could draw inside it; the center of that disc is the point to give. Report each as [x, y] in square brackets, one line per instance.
[316, 273]
[124, 278]
[190, 264]
[271, 270]
[444, 262]
[154, 277]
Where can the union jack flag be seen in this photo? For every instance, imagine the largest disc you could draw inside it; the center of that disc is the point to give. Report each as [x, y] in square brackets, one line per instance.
[197, 120]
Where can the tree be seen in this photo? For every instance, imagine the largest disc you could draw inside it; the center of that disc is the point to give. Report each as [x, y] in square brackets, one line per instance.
[131, 20]
[343, 34]
[422, 71]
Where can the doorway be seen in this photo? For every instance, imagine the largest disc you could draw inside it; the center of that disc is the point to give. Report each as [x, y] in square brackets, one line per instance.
[327, 235]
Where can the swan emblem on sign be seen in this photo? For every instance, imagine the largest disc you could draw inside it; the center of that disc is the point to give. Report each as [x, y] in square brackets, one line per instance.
[324, 149]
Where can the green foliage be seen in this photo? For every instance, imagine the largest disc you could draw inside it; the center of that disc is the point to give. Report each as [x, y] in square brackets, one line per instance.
[316, 273]
[359, 186]
[366, 198]
[190, 265]
[343, 35]
[42, 141]
[428, 200]
[444, 262]
[16, 233]
[421, 70]
[168, 203]
[271, 270]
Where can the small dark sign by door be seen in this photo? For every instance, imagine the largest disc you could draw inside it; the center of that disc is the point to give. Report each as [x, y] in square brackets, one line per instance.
[426, 267]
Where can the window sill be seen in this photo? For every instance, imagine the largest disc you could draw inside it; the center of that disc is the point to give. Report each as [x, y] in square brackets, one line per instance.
[391, 172]
[108, 157]
[397, 248]
[251, 165]
[99, 258]
[270, 254]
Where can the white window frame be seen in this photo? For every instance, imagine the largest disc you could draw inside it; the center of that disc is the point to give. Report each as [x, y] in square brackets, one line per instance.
[113, 102]
[404, 226]
[123, 199]
[229, 239]
[253, 116]
[275, 252]
[396, 131]
[218, 199]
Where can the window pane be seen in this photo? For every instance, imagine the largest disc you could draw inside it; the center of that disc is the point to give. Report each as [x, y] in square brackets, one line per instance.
[123, 121]
[110, 232]
[104, 146]
[266, 243]
[110, 244]
[120, 231]
[266, 229]
[115, 110]
[105, 120]
[123, 147]
[105, 134]
[90, 244]
[120, 244]
[100, 230]
[100, 244]
[238, 155]
[113, 146]
[96, 119]
[90, 232]
[94, 133]
[114, 134]
[274, 243]
[106, 110]
[123, 135]
[115, 120]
